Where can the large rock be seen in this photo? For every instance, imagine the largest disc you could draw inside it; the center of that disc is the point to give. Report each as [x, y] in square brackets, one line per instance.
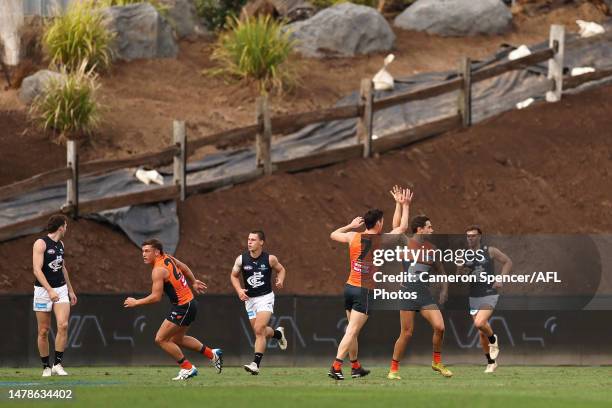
[343, 30]
[140, 32]
[34, 85]
[184, 18]
[456, 17]
[294, 10]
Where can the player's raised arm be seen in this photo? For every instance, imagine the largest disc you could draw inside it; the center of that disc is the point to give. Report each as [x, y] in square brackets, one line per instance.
[344, 234]
[396, 192]
[280, 271]
[504, 261]
[235, 278]
[405, 198]
[198, 286]
[157, 289]
[38, 255]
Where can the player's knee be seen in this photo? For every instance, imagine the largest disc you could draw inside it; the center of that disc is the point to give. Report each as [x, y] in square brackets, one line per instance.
[62, 326]
[439, 328]
[43, 331]
[159, 339]
[260, 331]
[352, 332]
[406, 334]
[480, 323]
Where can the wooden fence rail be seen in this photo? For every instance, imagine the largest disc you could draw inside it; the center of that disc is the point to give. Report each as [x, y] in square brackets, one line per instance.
[45, 179]
[265, 126]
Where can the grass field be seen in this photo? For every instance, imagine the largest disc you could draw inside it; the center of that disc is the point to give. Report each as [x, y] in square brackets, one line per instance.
[305, 387]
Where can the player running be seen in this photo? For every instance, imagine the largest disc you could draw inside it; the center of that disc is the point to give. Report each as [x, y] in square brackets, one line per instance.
[484, 296]
[52, 291]
[256, 267]
[424, 302]
[358, 288]
[171, 276]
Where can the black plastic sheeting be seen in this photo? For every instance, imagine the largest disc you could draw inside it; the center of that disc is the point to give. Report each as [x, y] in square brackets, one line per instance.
[160, 220]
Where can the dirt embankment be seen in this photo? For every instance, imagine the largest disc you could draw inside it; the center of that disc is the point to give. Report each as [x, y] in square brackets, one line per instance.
[142, 98]
[547, 168]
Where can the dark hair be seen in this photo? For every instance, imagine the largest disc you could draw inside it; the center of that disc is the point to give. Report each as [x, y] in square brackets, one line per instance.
[155, 243]
[259, 233]
[474, 227]
[418, 222]
[55, 222]
[372, 217]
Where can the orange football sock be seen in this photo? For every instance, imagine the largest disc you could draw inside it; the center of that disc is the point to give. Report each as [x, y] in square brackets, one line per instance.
[437, 357]
[394, 365]
[337, 364]
[184, 363]
[207, 351]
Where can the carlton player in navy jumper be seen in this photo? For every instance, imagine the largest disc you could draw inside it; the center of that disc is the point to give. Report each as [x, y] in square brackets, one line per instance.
[52, 291]
[256, 269]
[483, 296]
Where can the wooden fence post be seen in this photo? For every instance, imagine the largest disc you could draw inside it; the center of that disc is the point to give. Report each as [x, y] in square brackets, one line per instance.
[555, 64]
[72, 184]
[263, 139]
[465, 94]
[178, 165]
[365, 124]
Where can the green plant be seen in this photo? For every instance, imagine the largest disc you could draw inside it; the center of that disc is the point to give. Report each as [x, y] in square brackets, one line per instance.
[217, 12]
[68, 104]
[78, 35]
[256, 49]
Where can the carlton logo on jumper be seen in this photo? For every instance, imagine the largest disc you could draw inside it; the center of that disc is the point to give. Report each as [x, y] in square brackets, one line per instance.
[56, 264]
[254, 281]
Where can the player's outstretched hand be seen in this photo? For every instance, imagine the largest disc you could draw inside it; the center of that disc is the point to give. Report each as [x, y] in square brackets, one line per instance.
[356, 223]
[129, 302]
[408, 194]
[199, 287]
[279, 283]
[242, 295]
[405, 197]
[396, 192]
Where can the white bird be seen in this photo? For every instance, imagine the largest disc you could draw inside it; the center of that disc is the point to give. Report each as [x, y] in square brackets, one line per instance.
[581, 70]
[148, 176]
[589, 28]
[520, 52]
[383, 81]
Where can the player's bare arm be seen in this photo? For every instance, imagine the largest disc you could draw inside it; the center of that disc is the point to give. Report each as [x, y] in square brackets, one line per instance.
[280, 271]
[397, 214]
[71, 293]
[198, 286]
[504, 260]
[405, 198]
[157, 289]
[235, 278]
[444, 291]
[38, 255]
[344, 234]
